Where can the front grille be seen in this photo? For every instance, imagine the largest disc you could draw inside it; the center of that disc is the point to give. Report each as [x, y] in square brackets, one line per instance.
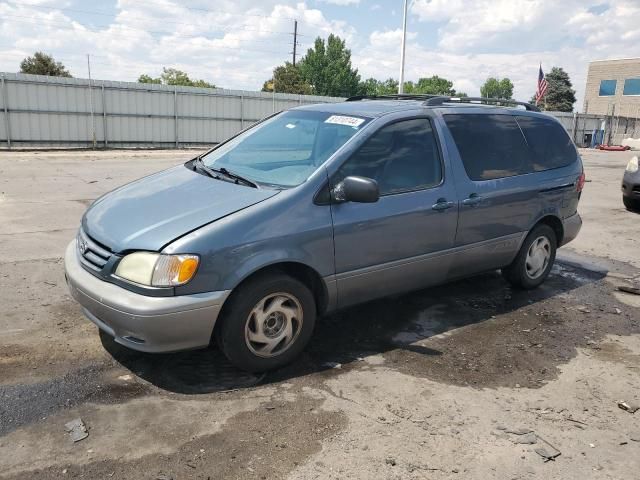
[92, 254]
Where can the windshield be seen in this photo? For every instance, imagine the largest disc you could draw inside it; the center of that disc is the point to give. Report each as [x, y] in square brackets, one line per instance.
[285, 150]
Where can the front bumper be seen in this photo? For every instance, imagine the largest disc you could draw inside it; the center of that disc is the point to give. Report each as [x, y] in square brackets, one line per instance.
[571, 226]
[147, 324]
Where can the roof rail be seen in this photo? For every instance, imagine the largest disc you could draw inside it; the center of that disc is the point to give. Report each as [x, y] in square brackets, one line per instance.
[393, 96]
[440, 100]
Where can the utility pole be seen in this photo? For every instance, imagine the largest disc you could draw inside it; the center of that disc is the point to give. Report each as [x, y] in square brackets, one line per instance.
[93, 120]
[404, 37]
[295, 40]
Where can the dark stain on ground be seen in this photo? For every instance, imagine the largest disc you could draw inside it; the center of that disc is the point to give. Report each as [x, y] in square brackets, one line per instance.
[27, 403]
[512, 336]
[263, 444]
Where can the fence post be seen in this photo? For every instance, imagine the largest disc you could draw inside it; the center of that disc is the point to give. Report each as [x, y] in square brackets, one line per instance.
[575, 127]
[175, 111]
[7, 125]
[104, 118]
[241, 112]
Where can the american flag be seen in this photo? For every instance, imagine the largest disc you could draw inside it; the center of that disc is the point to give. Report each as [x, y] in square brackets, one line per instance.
[542, 86]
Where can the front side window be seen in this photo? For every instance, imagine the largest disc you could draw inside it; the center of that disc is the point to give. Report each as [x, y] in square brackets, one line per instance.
[631, 86]
[285, 150]
[401, 157]
[490, 146]
[608, 88]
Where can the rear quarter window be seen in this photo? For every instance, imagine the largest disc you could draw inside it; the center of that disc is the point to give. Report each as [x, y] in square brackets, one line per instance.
[490, 146]
[549, 144]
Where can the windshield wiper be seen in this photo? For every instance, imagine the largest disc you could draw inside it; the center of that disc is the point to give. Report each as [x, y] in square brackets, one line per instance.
[234, 176]
[215, 173]
[199, 164]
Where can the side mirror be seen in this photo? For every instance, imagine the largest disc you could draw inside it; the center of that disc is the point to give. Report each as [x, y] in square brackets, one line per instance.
[357, 189]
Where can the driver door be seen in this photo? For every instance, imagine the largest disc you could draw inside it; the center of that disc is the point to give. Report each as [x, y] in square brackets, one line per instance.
[395, 244]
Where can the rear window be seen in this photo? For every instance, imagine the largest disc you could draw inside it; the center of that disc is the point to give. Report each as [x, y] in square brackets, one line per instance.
[549, 144]
[498, 146]
[491, 146]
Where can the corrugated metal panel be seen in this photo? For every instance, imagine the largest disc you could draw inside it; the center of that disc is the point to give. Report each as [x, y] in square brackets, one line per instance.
[56, 111]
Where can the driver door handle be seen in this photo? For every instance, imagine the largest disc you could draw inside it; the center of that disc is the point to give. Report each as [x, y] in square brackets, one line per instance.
[442, 204]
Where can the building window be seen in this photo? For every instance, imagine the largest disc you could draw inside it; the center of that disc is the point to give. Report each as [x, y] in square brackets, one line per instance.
[607, 88]
[631, 86]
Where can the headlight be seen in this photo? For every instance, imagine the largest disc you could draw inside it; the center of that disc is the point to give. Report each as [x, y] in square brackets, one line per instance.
[632, 166]
[157, 270]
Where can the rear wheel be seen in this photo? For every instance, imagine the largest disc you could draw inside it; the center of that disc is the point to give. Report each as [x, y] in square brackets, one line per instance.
[631, 204]
[267, 322]
[534, 260]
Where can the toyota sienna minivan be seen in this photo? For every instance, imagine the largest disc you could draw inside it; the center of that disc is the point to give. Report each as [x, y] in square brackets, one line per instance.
[321, 207]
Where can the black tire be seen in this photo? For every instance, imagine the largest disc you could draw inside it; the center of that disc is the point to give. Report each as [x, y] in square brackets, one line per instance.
[517, 273]
[232, 332]
[631, 204]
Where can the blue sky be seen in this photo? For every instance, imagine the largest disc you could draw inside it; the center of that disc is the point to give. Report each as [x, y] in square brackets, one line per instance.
[236, 43]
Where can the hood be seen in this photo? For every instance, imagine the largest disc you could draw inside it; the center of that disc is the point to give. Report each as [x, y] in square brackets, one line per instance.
[151, 212]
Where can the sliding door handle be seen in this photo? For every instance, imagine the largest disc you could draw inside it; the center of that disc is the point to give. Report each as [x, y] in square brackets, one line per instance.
[472, 200]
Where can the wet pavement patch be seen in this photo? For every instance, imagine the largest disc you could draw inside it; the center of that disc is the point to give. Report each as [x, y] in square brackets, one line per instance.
[192, 372]
[476, 332]
[24, 404]
[267, 443]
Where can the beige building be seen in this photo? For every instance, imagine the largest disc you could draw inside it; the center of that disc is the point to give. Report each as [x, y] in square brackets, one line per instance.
[613, 88]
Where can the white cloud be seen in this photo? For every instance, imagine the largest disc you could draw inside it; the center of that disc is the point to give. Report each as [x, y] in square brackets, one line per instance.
[236, 43]
[342, 2]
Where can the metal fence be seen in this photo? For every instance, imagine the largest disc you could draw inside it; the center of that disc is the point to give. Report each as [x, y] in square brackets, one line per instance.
[44, 112]
[613, 129]
[41, 111]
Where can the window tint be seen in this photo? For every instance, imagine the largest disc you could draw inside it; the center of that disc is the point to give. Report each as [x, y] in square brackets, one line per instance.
[607, 88]
[549, 145]
[491, 146]
[631, 86]
[402, 156]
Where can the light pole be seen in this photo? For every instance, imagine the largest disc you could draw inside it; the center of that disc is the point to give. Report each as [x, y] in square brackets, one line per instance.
[404, 38]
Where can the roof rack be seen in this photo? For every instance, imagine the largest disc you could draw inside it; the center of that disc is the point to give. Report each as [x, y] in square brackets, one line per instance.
[394, 96]
[440, 100]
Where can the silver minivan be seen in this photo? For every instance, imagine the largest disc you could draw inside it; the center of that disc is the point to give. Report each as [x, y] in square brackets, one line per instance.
[322, 207]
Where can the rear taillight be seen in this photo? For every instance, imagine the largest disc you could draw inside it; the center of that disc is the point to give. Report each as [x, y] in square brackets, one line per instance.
[580, 182]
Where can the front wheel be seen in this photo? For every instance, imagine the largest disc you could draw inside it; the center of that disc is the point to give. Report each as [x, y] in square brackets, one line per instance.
[534, 260]
[267, 323]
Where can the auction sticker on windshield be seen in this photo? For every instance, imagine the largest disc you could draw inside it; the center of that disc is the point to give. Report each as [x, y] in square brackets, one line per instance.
[343, 120]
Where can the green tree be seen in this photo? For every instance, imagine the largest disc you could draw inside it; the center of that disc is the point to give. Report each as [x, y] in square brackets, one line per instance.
[434, 85]
[287, 79]
[144, 78]
[43, 64]
[327, 68]
[497, 88]
[560, 95]
[173, 76]
[372, 86]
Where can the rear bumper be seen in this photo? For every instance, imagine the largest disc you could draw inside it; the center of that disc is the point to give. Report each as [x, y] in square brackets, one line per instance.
[571, 226]
[147, 324]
